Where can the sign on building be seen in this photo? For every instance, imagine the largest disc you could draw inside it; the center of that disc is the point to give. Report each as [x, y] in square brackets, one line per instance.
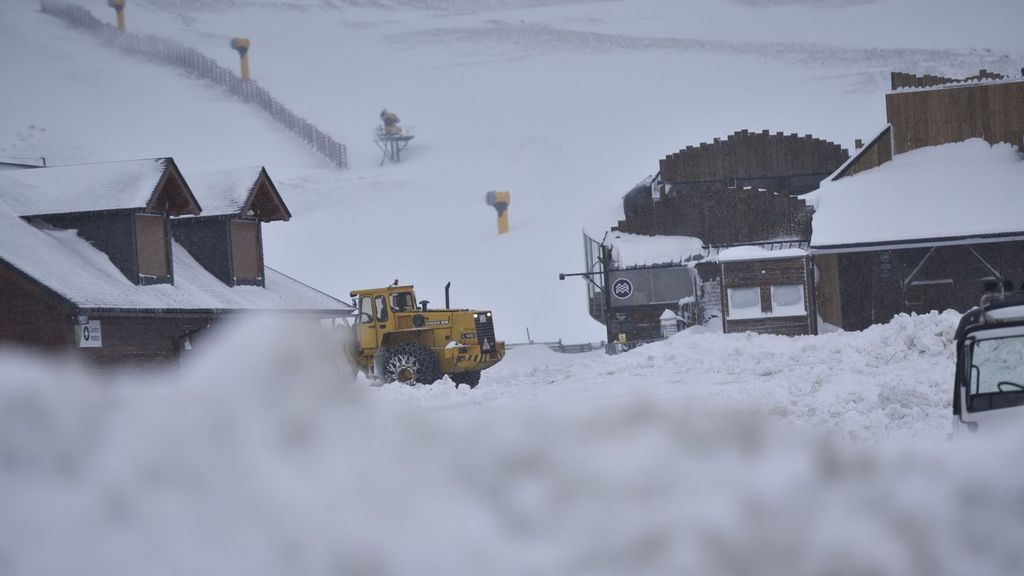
[89, 335]
[640, 286]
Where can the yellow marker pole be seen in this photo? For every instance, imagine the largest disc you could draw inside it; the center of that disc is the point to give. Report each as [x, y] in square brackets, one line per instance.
[500, 201]
[242, 46]
[118, 6]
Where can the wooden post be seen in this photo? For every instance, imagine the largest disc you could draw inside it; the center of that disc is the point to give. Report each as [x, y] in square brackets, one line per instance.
[242, 46]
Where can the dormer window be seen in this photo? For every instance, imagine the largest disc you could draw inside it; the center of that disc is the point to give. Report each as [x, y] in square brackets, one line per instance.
[246, 252]
[153, 251]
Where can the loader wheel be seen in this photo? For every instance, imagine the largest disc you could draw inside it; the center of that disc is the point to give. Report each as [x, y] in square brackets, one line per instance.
[410, 363]
[470, 378]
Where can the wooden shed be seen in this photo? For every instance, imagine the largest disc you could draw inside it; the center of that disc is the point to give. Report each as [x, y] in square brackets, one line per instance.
[770, 292]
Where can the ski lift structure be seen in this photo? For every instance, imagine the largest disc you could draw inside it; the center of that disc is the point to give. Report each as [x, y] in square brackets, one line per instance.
[390, 138]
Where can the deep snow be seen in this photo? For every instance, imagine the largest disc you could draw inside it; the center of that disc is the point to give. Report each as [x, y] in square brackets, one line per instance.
[706, 454]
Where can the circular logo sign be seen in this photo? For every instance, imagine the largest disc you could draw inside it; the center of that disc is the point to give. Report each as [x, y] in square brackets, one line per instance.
[622, 288]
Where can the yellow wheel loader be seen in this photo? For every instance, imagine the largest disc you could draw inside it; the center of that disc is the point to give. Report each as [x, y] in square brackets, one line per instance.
[400, 339]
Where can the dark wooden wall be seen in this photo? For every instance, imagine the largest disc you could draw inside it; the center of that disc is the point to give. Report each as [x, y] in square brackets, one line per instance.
[208, 241]
[994, 112]
[754, 155]
[142, 340]
[763, 274]
[723, 217]
[31, 315]
[111, 232]
[874, 286]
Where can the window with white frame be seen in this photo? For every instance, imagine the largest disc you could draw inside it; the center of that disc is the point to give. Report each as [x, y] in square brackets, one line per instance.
[788, 300]
[745, 303]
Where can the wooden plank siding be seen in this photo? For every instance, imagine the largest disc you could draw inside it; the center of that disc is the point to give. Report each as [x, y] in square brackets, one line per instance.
[858, 289]
[763, 274]
[723, 217]
[153, 248]
[993, 111]
[142, 340]
[31, 315]
[747, 154]
[873, 155]
[246, 253]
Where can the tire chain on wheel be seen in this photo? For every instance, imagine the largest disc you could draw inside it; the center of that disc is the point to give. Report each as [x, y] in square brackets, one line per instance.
[416, 357]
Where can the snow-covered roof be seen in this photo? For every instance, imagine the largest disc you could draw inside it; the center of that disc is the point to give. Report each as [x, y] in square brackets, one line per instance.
[745, 253]
[962, 190]
[74, 269]
[224, 192]
[638, 250]
[83, 187]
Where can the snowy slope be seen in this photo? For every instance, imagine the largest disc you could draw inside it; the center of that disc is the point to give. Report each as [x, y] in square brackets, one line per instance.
[565, 104]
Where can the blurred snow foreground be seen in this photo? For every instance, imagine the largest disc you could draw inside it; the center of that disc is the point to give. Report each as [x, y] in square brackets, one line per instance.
[263, 456]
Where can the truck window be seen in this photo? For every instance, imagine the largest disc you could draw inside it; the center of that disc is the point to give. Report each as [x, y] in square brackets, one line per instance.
[382, 309]
[997, 365]
[365, 310]
[402, 301]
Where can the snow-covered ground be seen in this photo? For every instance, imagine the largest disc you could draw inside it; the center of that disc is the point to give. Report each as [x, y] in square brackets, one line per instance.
[704, 454]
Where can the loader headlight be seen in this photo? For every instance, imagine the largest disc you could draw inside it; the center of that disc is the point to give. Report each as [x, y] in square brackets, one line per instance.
[475, 315]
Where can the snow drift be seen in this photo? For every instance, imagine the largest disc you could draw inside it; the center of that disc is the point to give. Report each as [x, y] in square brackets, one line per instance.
[265, 457]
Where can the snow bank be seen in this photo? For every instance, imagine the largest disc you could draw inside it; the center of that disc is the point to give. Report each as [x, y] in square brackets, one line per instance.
[264, 458]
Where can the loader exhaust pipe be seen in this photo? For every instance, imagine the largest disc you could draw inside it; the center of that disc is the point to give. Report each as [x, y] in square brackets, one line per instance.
[447, 300]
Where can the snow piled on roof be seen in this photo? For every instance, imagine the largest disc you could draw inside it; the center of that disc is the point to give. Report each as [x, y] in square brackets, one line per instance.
[962, 189]
[82, 187]
[222, 192]
[638, 250]
[70, 266]
[741, 253]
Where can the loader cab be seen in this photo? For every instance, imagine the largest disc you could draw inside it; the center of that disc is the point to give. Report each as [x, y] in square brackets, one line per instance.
[377, 313]
[989, 383]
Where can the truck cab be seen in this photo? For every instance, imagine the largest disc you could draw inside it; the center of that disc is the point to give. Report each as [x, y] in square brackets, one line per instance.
[989, 382]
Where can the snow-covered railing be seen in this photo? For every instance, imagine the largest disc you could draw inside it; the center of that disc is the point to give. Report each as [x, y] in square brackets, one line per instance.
[560, 347]
[197, 64]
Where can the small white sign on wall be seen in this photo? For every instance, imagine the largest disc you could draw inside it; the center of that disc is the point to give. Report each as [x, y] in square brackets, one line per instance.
[89, 335]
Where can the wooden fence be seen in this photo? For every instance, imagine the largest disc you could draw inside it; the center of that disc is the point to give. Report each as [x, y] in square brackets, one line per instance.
[197, 64]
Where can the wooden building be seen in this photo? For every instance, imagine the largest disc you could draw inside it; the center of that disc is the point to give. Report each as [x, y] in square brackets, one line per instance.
[740, 191]
[88, 261]
[930, 209]
[769, 292]
[925, 232]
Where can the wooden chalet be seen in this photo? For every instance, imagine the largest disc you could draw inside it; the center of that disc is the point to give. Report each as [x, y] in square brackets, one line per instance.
[740, 191]
[931, 209]
[88, 260]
